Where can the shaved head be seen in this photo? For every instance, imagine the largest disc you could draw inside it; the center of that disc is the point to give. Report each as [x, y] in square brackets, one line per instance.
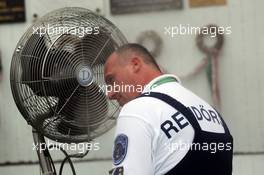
[129, 50]
[131, 65]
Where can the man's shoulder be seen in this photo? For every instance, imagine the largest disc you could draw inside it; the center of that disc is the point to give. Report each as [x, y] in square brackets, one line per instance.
[137, 104]
[141, 106]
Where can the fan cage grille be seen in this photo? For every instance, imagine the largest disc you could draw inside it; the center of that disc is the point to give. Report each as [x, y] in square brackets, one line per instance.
[45, 69]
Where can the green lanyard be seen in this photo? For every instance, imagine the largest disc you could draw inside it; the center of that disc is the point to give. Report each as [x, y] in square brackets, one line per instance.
[164, 80]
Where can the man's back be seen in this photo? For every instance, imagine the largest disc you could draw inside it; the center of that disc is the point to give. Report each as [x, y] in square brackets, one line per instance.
[172, 131]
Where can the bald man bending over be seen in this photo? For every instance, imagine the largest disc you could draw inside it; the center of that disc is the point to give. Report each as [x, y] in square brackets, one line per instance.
[163, 128]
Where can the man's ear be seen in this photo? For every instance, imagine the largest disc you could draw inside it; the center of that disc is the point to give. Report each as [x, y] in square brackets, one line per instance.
[136, 64]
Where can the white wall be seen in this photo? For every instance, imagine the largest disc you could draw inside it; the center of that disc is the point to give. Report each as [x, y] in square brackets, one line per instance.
[241, 83]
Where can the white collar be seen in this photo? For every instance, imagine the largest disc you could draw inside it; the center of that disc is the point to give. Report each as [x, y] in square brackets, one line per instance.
[151, 84]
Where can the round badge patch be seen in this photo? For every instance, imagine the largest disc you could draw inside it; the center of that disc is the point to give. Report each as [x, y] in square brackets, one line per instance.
[120, 149]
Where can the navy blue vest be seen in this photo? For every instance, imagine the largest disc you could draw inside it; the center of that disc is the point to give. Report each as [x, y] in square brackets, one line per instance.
[200, 162]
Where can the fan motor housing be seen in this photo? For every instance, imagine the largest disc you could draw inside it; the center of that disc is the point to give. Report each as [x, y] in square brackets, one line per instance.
[85, 76]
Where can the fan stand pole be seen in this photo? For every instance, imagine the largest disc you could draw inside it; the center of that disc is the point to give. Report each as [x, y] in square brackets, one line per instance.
[43, 153]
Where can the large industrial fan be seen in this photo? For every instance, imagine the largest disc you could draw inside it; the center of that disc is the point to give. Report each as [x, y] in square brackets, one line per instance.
[57, 77]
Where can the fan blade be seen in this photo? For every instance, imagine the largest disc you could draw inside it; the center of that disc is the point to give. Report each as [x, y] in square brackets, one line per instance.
[85, 110]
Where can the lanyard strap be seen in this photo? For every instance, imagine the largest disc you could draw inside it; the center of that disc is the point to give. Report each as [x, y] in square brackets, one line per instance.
[164, 80]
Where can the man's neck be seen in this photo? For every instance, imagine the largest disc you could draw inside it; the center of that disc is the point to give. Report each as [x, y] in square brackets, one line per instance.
[146, 79]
